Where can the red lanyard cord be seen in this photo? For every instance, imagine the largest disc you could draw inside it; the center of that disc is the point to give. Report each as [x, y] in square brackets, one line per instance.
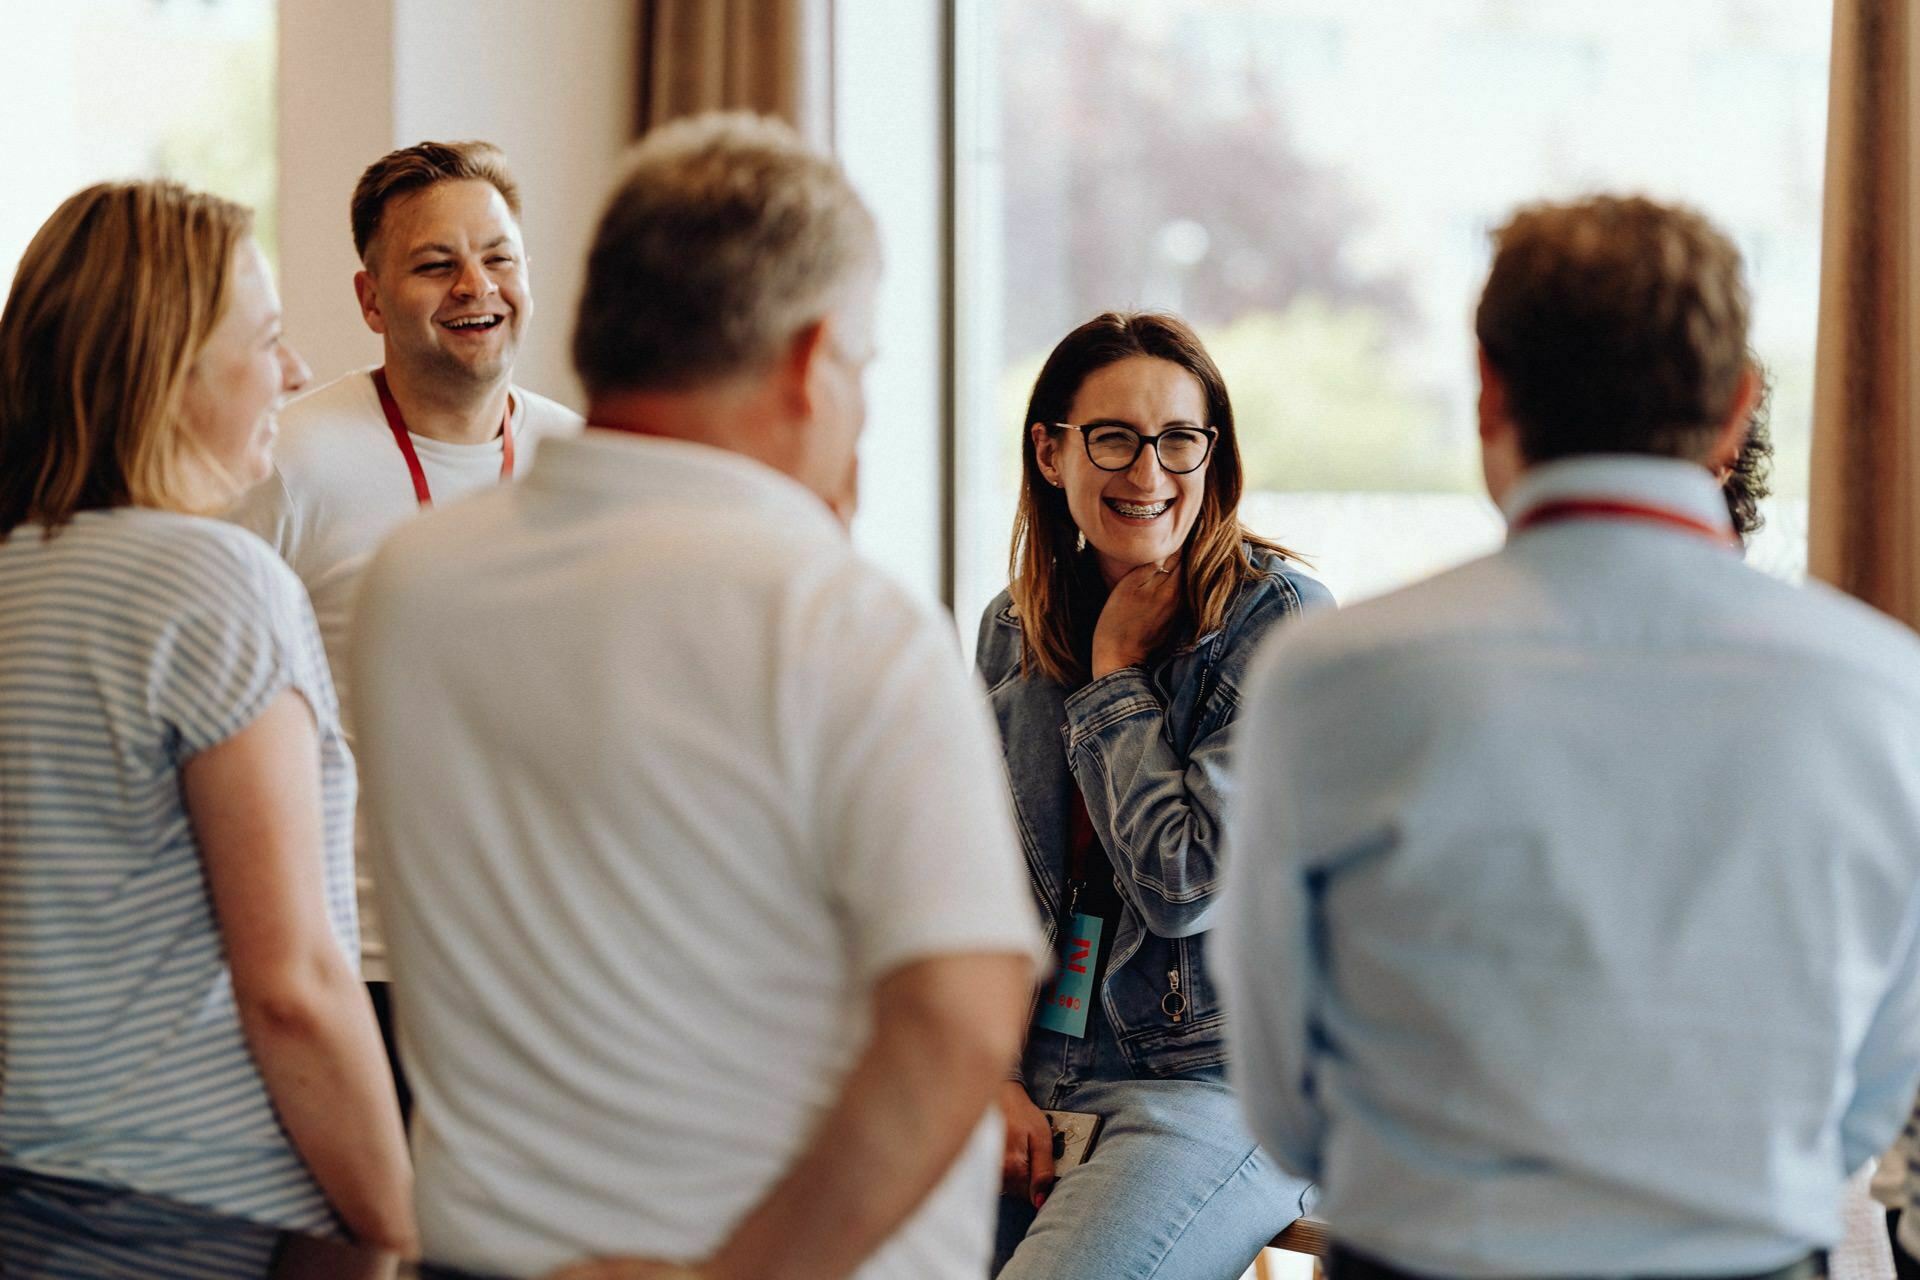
[1609, 509]
[397, 424]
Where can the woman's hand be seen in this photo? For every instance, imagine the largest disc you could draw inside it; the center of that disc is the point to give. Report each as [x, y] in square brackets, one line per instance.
[1027, 1169]
[1138, 613]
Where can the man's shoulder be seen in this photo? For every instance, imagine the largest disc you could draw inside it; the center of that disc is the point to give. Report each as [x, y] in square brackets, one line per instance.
[317, 425]
[831, 575]
[1731, 608]
[543, 416]
[817, 591]
[1850, 632]
[1466, 598]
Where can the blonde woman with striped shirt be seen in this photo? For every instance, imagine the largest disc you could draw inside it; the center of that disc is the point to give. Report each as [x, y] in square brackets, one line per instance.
[179, 1009]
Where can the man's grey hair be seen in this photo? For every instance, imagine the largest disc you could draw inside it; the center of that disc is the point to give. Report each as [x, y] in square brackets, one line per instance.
[726, 236]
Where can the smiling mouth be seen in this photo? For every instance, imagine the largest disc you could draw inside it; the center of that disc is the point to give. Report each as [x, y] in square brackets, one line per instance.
[474, 324]
[1140, 510]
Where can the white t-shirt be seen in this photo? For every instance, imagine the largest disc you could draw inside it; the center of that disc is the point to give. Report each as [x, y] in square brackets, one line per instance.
[339, 486]
[660, 779]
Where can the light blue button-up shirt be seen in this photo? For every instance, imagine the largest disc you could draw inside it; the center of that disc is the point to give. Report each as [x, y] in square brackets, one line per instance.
[1571, 908]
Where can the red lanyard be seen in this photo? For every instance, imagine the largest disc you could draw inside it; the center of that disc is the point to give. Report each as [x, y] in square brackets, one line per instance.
[1080, 842]
[1608, 509]
[404, 438]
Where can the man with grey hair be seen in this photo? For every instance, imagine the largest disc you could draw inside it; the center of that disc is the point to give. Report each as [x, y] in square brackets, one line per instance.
[711, 929]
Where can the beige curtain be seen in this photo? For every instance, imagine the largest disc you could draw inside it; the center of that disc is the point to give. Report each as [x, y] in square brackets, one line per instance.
[771, 56]
[1865, 524]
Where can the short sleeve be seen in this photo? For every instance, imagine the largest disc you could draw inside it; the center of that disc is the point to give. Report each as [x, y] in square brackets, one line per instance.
[244, 633]
[912, 805]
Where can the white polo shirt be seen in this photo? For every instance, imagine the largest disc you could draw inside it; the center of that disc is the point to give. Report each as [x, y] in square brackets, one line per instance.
[661, 778]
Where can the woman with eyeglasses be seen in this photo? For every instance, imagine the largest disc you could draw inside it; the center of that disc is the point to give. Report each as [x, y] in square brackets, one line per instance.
[1114, 663]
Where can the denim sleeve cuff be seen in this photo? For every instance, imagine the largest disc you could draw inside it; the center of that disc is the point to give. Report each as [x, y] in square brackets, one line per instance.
[1112, 698]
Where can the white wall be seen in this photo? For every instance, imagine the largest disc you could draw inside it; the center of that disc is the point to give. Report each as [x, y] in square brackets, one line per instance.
[336, 117]
[551, 84]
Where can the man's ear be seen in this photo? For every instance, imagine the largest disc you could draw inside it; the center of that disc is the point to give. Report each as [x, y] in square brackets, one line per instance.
[1732, 436]
[369, 301]
[1046, 453]
[1501, 459]
[1493, 398]
[798, 366]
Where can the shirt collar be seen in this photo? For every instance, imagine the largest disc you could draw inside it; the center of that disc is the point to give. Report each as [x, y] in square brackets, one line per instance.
[1684, 488]
[621, 464]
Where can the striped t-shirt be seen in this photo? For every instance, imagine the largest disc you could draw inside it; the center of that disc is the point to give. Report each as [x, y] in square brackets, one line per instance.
[129, 642]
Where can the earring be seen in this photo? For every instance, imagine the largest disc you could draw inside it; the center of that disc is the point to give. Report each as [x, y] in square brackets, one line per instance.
[1080, 541]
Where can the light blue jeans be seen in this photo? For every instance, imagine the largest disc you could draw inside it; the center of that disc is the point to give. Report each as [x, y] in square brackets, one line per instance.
[1176, 1188]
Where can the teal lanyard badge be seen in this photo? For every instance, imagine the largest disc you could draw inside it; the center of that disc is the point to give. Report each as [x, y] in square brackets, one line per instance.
[1064, 1001]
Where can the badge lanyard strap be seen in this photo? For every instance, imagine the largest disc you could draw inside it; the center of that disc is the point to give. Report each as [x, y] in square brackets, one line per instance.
[397, 424]
[1607, 509]
[1080, 838]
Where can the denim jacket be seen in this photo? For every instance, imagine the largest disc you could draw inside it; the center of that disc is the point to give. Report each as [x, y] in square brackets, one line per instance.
[1149, 749]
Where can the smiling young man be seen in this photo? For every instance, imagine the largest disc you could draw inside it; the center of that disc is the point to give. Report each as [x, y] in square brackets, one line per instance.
[711, 923]
[443, 281]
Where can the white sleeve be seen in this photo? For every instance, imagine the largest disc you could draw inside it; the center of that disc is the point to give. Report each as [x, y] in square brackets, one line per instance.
[1887, 1065]
[911, 803]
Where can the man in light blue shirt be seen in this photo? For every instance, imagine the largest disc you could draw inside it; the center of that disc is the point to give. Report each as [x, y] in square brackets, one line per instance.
[1571, 915]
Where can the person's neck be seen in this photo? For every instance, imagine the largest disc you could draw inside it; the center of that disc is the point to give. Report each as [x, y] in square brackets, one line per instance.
[467, 413]
[726, 416]
[1111, 570]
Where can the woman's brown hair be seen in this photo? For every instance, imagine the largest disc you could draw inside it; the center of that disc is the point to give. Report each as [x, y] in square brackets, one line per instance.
[1045, 563]
[110, 306]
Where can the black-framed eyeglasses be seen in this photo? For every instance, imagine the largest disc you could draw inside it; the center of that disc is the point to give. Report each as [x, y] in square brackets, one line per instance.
[1113, 446]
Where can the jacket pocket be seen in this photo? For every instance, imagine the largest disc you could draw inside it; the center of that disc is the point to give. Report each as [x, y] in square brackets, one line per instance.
[1202, 1003]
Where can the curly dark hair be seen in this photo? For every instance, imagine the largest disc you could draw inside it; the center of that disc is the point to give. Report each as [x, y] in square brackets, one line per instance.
[1749, 479]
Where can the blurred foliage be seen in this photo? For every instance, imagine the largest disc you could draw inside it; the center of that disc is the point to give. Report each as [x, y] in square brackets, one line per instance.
[1137, 173]
[1116, 148]
[1319, 406]
[1791, 421]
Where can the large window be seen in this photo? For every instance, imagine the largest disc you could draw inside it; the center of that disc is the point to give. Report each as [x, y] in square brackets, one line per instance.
[110, 89]
[1312, 183]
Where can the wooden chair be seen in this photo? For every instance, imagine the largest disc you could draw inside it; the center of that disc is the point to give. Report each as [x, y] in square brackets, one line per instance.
[1306, 1235]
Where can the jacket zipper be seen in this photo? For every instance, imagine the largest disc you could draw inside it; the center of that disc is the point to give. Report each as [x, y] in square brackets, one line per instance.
[1173, 1004]
[1206, 690]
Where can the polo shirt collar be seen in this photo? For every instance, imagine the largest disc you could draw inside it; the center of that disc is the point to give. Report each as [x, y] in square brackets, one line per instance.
[620, 464]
